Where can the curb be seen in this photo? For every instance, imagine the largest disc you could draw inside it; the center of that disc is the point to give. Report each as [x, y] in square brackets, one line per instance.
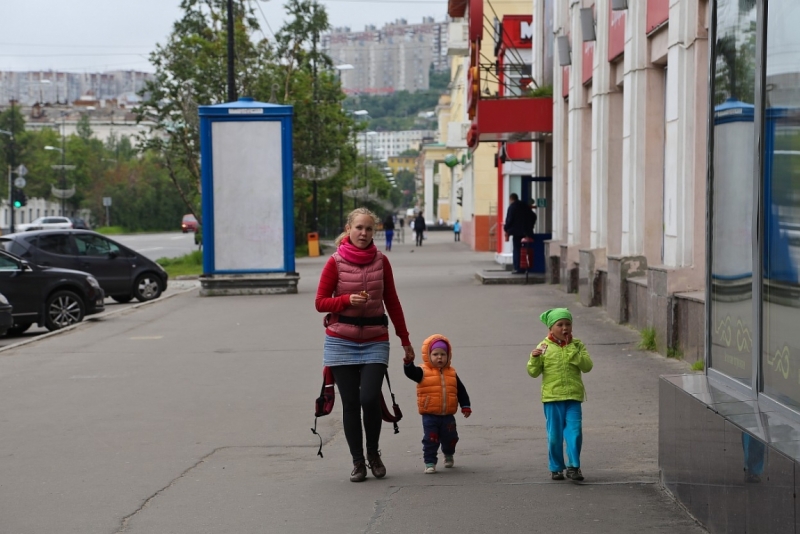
[92, 319]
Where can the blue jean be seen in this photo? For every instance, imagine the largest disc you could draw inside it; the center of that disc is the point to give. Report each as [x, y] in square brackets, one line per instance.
[438, 430]
[389, 236]
[564, 420]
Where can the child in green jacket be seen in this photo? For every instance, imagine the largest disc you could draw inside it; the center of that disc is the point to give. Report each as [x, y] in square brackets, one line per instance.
[561, 359]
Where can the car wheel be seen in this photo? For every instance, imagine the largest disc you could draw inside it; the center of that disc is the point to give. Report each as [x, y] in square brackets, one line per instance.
[122, 299]
[64, 308]
[147, 287]
[18, 329]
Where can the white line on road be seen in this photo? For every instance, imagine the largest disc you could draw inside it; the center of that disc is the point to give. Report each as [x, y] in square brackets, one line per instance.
[149, 249]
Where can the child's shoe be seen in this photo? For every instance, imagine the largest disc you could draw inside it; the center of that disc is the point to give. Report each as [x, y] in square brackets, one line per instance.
[557, 475]
[430, 469]
[449, 461]
[574, 473]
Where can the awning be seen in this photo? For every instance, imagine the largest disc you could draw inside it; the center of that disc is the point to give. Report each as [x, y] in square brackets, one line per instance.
[513, 119]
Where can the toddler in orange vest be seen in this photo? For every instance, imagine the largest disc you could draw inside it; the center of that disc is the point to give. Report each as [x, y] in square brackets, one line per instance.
[439, 392]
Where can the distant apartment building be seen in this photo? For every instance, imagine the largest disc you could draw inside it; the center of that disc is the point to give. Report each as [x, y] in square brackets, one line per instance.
[397, 57]
[384, 145]
[54, 87]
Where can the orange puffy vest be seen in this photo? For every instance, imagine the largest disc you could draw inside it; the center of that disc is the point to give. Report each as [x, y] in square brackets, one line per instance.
[437, 393]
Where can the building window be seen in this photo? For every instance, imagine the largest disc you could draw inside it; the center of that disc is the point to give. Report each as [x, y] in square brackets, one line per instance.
[780, 341]
[731, 263]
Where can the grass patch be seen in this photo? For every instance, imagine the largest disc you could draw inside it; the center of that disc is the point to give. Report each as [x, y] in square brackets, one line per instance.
[648, 341]
[301, 250]
[190, 264]
[111, 230]
[699, 365]
[675, 353]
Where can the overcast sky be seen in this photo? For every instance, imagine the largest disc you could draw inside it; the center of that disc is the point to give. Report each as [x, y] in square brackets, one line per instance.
[96, 35]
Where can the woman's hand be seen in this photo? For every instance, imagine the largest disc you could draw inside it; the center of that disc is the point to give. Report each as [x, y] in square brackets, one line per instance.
[409, 356]
[359, 299]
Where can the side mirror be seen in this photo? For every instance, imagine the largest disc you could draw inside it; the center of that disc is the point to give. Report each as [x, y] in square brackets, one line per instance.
[25, 266]
[113, 254]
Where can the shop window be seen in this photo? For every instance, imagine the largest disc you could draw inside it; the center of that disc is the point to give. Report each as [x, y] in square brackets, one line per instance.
[732, 319]
[780, 354]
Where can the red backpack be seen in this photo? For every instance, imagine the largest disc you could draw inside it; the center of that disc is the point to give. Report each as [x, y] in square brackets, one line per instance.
[327, 398]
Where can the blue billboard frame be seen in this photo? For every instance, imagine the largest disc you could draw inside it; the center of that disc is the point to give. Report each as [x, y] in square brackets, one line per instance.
[246, 109]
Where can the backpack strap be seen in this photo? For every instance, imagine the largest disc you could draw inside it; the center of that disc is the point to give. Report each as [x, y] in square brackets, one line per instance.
[394, 403]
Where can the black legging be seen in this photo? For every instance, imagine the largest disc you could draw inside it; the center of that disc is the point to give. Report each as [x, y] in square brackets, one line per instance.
[420, 237]
[360, 389]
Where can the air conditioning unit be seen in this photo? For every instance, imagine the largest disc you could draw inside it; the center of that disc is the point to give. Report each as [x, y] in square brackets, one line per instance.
[457, 134]
[458, 39]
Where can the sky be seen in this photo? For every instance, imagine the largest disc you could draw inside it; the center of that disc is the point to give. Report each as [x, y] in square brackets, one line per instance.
[98, 35]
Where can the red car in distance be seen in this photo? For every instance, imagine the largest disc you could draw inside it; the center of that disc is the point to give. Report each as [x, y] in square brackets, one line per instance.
[189, 223]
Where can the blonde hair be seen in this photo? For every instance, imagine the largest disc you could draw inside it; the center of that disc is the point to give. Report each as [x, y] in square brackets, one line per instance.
[351, 218]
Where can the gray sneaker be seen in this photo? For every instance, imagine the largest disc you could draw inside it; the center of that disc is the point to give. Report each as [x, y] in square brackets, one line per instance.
[557, 475]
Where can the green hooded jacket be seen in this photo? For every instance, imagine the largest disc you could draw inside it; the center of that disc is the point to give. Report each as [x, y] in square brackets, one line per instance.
[561, 369]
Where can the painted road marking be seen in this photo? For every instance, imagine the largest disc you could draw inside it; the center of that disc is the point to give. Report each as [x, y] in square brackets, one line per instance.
[140, 338]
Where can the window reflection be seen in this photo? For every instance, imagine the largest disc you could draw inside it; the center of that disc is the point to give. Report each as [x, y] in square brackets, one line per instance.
[781, 308]
[733, 181]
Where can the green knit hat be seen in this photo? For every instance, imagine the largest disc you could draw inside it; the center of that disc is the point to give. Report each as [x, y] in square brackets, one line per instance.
[551, 317]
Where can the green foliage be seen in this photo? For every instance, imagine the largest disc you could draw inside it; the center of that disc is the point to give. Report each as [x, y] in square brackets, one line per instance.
[542, 91]
[648, 339]
[399, 110]
[699, 365]
[674, 352]
[439, 81]
[111, 230]
[187, 265]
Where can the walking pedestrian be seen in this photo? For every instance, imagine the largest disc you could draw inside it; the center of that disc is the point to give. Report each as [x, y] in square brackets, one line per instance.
[388, 230]
[439, 393]
[419, 228]
[519, 223]
[561, 359]
[356, 290]
[457, 231]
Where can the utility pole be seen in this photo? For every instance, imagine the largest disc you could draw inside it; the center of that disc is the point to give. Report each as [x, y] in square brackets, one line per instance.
[314, 132]
[12, 160]
[231, 39]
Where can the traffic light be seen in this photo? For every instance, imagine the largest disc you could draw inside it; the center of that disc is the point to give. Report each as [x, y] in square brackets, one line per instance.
[18, 198]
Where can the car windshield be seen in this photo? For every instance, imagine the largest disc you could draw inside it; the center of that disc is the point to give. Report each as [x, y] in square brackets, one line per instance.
[189, 218]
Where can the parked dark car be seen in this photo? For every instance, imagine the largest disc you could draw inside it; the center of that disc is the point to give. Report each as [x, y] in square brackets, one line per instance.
[51, 297]
[123, 273]
[6, 319]
[79, 224]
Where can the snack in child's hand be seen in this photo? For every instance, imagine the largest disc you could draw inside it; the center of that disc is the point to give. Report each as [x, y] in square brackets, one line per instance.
[364, 294]
[543, 347]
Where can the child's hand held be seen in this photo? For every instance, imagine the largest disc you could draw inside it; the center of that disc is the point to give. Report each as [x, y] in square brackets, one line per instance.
[409, 354]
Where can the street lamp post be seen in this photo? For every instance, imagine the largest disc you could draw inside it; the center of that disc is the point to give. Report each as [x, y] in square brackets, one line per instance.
[63, 167]
[339, 69]
[231, 40]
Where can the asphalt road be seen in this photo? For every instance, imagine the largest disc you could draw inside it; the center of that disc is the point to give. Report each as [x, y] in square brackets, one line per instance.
[192, 415]
[155, 246]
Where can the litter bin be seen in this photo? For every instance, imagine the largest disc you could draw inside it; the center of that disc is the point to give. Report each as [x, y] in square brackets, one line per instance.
[313, 244]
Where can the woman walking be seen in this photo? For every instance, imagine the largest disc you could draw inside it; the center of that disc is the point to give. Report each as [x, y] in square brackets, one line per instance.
[356, 289]
[388, 229]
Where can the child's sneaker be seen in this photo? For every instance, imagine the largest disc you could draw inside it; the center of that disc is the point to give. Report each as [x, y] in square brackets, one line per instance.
[430, 469]
[557, 475]
[449, 461]
[574, 473]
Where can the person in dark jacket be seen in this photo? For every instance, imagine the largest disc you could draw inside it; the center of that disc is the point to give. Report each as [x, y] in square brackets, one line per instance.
[419, 228]
[520, 221]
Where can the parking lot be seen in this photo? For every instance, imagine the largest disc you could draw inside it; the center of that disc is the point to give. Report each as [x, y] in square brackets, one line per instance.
[153, 246]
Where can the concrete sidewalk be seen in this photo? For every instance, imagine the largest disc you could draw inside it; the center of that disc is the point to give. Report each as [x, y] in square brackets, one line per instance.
[193, 416]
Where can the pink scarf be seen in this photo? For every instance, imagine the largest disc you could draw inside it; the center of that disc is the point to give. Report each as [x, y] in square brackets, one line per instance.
[356, 255]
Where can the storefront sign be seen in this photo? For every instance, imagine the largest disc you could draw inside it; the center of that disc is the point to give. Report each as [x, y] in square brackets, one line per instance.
[517, 31]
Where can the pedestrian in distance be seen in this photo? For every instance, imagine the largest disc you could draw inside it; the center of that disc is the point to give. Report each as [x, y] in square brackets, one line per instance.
[560, 359]
[520, 221]
[356, 290]
[439, 393]
[457, 231]
[388, 230]
[419, 228]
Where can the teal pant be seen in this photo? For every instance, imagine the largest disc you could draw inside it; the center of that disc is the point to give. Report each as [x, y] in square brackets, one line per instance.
[564, 421]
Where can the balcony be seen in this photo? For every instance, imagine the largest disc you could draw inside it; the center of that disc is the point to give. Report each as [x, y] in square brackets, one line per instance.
[458, 39]
[457, 134]
[512, 119]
